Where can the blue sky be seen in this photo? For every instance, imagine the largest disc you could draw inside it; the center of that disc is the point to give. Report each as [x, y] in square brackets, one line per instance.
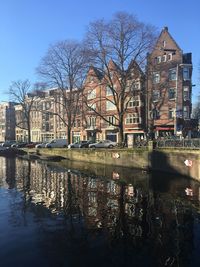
[28, 27]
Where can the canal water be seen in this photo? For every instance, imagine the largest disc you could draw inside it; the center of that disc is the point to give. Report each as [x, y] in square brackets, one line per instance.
[78, 215]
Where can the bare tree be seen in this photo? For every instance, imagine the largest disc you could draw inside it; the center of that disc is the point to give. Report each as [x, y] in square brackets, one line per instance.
[20, 92]
[63, 68]
[126, 41]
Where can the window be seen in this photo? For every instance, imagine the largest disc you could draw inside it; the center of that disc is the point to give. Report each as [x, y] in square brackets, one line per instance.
[164, 43]
[134, 102]
[136, 86]
[186, 73]
[156, 77]
[92, 106]
[164, 58]
[110, 106]
[48, 105]
[186, 95]
[171, 113]
[186, 112]
[109, 91]
[92, 121]
[111, 119]
[172, 74]
[155, 114]
[169, 57]
[171, 93]
[132, 118]
[159, 59]
[156, 95]
[92, 94]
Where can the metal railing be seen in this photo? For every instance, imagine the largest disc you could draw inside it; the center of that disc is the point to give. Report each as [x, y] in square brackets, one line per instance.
[183, 143]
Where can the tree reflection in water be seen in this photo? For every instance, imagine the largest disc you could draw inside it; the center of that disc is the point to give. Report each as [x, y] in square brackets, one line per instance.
[103, 220]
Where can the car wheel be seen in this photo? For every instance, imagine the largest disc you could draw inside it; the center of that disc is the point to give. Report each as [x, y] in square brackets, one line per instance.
[110, 146]
[92, 147]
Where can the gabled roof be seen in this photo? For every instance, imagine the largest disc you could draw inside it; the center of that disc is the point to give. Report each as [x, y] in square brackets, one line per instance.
[95, 72]
[134, 66]
[163, 32]
[112, 65]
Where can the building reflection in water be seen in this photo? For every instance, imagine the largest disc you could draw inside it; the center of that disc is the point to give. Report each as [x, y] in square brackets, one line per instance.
[133, 216]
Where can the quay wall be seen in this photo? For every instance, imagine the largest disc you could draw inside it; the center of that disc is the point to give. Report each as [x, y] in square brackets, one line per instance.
[181, 161]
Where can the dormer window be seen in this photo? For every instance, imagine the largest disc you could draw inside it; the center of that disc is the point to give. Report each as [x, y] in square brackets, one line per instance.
[164, 58]
[164, 43]
[169, 57]
[159, 59]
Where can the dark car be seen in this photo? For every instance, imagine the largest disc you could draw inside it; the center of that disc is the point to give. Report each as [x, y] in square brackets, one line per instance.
[31, 145]
[85, 144]
[19, 144]
[8, 143]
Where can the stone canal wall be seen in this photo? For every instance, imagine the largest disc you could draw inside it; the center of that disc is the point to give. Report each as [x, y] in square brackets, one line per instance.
[181, 161]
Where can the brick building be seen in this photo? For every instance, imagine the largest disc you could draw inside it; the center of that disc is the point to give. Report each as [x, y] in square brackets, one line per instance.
[169, 88]
[100, 108]
[7, 121]
[157, 103]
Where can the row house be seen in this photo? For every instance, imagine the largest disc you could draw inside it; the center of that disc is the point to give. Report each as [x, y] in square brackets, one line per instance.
[169, 88]
[7, 121]
[100, 108]
[155, 103]
[45, 125]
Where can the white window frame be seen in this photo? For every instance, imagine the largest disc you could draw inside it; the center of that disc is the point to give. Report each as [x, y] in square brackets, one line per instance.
[169, 57]
[155, 93]
[110, 106]
[91, 94]
[111, 119]
[164, 58]
[92, 121]
[134, 102]
[132, 118]
[109, 91]
[171, 113]
[172, 74]
[156, 77]
[186, 112]
[172, 98]
[92, 106]
[186, 93]
[186, 73]
[159, 59]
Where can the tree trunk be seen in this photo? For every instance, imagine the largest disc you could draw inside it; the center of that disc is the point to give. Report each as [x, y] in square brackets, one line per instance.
[69, 135]
[29, 131]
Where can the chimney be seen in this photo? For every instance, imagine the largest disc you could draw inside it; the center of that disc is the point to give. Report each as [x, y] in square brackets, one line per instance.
[165, 29]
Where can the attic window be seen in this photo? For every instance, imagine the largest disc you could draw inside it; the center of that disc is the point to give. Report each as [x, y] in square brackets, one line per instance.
[164, 58]
[164, 43]
[169, 57]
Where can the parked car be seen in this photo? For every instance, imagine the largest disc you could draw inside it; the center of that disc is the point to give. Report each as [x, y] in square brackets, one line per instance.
[31, 145]
[103, 144]
[80, 144]
[19, 144]
[8, 143]
[57, 143]
[41, 145]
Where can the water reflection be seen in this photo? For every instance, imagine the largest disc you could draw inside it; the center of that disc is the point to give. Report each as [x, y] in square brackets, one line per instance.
[103, 216]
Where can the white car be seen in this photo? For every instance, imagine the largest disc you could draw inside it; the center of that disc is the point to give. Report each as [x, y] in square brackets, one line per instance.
[103, 144]
[57, 143]
[41, 145]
